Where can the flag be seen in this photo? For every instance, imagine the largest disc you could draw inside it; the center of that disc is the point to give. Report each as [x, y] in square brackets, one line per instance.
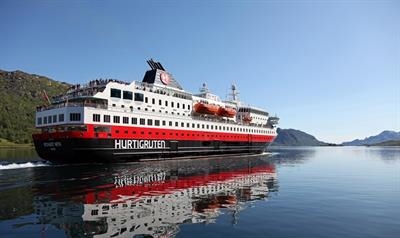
[46, 98]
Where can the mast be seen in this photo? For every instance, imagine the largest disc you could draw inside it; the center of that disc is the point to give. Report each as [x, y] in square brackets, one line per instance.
[234, 93]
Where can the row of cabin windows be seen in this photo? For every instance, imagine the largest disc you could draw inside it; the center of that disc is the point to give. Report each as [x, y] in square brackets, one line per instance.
[149, 122]
[57, 118]
[252, 110]
[139, 97]
[260, 118]
[153, 110]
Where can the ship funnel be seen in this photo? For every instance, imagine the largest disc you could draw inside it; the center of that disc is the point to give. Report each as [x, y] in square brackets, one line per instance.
[158, 75]
[155, 65]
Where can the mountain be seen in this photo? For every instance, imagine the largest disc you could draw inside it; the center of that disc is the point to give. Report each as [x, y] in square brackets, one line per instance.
[20, 93]
[388, 143]
[382, 137]
[292, 137]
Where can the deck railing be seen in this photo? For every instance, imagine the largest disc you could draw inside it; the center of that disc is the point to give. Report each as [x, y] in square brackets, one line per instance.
[71, 104]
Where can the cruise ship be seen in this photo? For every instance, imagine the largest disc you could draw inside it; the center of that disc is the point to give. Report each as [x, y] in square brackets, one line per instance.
[110, 120]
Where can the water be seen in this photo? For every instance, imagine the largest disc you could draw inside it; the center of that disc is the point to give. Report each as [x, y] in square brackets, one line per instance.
[293, 192]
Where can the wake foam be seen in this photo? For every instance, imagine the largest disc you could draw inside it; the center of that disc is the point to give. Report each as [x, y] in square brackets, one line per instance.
[22, 165]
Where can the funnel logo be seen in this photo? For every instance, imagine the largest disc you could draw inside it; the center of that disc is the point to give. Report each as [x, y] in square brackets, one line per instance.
[164, 78]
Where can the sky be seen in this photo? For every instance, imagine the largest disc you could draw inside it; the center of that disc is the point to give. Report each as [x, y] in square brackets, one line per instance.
[329, 68]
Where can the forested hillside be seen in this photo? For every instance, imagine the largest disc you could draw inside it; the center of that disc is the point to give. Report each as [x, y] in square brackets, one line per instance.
[20, 93]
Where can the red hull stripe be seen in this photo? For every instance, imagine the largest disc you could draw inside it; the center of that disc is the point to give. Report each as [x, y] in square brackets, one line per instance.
[111, 192]
[156, 133]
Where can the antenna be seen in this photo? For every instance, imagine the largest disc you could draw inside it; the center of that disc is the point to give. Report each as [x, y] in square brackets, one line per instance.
[234, 93]
[204, 88]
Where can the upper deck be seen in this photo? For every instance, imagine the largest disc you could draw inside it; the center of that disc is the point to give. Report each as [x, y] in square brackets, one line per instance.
[161, 96]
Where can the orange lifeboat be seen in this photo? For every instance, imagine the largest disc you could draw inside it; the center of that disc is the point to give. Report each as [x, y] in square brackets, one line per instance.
[206, 108]
[247, 118]
[226, 112]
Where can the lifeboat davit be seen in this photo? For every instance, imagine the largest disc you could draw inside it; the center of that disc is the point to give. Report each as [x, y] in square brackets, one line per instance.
[205, 108]
[226, 112]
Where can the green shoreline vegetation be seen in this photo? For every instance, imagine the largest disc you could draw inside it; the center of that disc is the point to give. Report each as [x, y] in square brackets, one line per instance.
[20, 94]
[7, 143]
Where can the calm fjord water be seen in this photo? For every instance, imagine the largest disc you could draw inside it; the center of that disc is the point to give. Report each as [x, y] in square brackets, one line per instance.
[294, 192]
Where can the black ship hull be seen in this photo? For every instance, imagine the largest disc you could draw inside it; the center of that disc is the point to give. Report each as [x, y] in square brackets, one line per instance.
[77, 150]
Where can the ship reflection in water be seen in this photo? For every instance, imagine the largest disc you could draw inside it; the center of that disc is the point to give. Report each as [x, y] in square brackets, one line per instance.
[153, 199]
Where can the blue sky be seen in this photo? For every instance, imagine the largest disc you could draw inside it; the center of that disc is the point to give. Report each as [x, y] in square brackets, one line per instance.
[330, 68]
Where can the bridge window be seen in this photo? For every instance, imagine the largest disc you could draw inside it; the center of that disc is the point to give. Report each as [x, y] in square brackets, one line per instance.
[149, 122]
[44, 120]
[134, 120]
[106, 118]
[116, 119]
[125, 120]
[127, 95]
[142, 121]
[60, 117]
[156, 122]
[115, 93]
[39, 121]
[139, 97]
[49, 119]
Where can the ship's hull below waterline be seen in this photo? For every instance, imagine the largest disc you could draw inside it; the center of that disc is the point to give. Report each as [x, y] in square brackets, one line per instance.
[76, 150]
